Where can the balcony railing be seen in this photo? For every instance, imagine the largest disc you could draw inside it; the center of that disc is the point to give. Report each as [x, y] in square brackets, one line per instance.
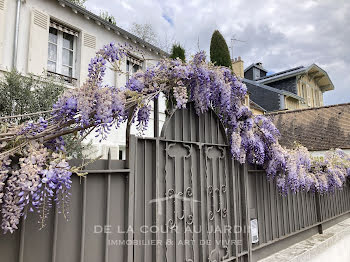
[66, 79]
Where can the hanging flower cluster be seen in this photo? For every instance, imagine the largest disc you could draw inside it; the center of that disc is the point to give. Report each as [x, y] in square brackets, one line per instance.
[34, 173]
[301, 171]
[32, 181]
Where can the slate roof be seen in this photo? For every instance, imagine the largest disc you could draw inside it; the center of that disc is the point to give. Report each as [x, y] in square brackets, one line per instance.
[279, 91]
[325, 81]
[318, 129]
[254, 105]
[284, 73]
[257, 66]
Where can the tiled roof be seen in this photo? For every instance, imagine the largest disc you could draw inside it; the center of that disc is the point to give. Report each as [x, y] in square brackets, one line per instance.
[318, 129]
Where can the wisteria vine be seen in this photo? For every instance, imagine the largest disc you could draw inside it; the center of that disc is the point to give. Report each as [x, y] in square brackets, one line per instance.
[34, 172]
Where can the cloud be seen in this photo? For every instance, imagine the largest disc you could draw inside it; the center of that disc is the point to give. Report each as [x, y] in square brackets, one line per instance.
[281, 34]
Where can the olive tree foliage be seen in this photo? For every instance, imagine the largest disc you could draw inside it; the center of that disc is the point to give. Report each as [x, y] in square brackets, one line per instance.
[145, 32]
[79, 2]
[108, 17]
[23, 95]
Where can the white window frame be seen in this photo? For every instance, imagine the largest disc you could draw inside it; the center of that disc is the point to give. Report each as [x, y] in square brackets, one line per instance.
[59, 63]
[129, 71]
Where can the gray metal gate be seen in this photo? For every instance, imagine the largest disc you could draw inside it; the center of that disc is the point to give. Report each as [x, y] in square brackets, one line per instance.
[179, 198]
[184, 180]
[187, 196]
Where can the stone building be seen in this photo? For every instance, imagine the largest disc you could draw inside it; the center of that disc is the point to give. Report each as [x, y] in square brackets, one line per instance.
[296, 88]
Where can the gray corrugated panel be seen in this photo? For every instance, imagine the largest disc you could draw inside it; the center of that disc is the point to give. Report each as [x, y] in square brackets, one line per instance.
[285, 216]
[95, 215]
[55, 231]
[273, 210]
[43, 239]
[279, 213]
[108, 204]
[261, 213]
[70, 236]
[139, 200]
[149, 168]
[185, 125]
[267, 211]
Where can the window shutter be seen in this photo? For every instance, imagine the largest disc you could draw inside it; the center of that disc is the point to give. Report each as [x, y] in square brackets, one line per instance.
[88, 51]
[2, 28]
[38, 42]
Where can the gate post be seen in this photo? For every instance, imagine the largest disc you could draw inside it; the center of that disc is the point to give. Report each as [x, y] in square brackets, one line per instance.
[127, 137]
[130, 221]
[156, 117]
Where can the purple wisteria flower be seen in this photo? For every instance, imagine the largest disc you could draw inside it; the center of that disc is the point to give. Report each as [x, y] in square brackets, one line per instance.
[40, 176]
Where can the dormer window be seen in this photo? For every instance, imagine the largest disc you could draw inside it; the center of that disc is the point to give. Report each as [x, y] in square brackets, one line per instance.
[133, 64]
[61, 51]
[256, 73]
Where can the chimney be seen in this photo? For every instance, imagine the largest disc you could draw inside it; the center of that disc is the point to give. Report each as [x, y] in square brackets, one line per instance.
[238, 67]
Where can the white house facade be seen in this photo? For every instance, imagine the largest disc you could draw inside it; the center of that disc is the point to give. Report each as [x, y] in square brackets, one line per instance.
[58, 38]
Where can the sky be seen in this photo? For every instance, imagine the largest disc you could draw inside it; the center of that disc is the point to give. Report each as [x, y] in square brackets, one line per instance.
[279, 33]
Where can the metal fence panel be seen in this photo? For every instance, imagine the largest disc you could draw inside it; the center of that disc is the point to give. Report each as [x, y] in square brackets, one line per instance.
[282, 216]
[78, 238]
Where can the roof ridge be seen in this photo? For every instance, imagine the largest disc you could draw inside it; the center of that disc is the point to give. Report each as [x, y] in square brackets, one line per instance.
[272, 89]
[258, 66]
[281, 72]
[114, 27]
[306, 109]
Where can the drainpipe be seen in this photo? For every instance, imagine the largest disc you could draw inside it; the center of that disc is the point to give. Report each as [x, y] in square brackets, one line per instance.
[15, 42]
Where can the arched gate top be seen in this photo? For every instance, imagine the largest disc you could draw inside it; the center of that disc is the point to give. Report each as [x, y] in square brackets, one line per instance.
[185, 125]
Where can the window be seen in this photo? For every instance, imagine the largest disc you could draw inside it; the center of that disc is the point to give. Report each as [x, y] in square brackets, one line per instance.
[320, 98]
[246, 101]
[318, 94]
[133, 65]
[61, 51]
[304, 91]
[256, 73]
